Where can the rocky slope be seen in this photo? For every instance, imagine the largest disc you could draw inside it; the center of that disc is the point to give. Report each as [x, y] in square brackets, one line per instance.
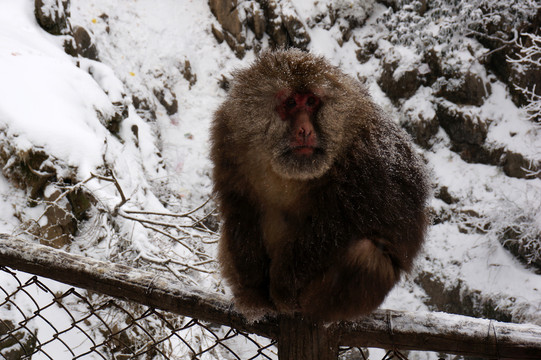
[458, 77]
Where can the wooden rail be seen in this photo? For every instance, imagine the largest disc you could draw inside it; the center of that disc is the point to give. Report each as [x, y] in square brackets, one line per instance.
[385, 329]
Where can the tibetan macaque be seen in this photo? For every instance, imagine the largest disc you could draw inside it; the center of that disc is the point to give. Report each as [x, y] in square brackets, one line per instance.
[322, 198]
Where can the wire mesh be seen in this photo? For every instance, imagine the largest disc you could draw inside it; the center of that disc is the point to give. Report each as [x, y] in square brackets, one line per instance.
[45, 319]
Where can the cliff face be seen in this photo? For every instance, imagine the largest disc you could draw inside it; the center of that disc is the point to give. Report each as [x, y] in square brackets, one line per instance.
[127, 93]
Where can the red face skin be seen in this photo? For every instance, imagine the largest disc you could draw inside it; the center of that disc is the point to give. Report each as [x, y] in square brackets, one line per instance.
[299, 110]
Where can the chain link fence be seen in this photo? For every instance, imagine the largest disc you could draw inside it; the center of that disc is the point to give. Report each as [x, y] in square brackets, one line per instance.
[45, 319]
[101, 310]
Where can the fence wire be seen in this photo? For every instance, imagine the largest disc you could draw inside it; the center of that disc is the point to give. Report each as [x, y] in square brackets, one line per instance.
[44, 319]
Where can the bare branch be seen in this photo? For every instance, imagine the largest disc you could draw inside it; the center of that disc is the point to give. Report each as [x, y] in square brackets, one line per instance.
[142, 212]
[114, 180]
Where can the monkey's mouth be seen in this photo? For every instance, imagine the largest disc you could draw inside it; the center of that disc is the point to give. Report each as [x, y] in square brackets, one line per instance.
[301, 162]
[304, 150]
[296, 154]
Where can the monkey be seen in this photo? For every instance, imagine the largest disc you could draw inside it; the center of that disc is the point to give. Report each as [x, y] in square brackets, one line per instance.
[322, 198]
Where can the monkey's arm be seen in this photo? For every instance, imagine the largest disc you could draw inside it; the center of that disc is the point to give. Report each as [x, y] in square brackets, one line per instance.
[243, 258]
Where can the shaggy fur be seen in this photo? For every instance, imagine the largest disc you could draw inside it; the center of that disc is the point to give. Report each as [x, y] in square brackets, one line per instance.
[328, 237]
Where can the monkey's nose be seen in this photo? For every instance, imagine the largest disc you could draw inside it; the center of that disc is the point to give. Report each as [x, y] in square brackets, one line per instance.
[304, 133]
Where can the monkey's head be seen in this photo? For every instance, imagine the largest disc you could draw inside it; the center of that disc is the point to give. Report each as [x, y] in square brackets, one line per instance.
[293, 110]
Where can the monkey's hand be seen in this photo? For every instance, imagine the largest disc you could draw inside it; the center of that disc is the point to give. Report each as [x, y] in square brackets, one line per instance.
[354, 285]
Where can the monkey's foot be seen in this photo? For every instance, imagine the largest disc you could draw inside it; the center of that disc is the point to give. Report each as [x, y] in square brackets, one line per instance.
[284, 297]
[253, 305]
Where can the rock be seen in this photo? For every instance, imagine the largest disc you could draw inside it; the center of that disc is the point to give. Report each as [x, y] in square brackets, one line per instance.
[238, 48]
[462, 126]
[218, 34]
[516, 165]
[393, 4]
[522, 249]
[255, 20]
[70, 47]
[433, 60]
[186, 72]
[18, 344]
[458, 299]
[81, 201]
[112, 122]
[421, 129]
[525, 76]
[135, 131]
[168, 99]
[366, 51]
[275, 27]
[30, 169]
[469, 89]
[500, 40]
[399, 84]
[227, 14]
[224, 83]
[121, 113]
[52, 15]
[262, 16]
[61, 224]
[348, 16]
[58, 224]
[478, 154]
[443, 194]
[85, 47]
[423, 7]
[144, 108]
[297, 34]
[467, 132]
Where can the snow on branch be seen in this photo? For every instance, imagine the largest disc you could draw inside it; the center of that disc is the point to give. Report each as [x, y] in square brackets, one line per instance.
[174, 242]
[529, 55]
[384, 328]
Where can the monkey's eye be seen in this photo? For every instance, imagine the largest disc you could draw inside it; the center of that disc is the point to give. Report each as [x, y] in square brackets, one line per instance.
[311, 101]
[290, 103]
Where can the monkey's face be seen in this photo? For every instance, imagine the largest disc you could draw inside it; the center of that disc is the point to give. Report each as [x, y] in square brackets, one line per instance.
[300, 147]
[290, 110]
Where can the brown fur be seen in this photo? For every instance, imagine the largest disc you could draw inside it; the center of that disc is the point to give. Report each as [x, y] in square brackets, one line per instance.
[328, 237]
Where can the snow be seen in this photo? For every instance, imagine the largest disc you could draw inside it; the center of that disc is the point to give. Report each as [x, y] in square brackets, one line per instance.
[510, 125]
[170, 33]
[52, 104]
[45, 100]
[51, 101]
[8, 198]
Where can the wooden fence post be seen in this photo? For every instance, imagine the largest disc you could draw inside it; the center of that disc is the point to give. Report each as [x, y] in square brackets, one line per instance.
[301, 338]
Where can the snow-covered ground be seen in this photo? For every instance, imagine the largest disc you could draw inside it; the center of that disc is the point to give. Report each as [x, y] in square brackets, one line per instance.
[53, 102]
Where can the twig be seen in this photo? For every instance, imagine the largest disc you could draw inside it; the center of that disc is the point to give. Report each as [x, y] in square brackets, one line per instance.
[114, 180]
[142, 212]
